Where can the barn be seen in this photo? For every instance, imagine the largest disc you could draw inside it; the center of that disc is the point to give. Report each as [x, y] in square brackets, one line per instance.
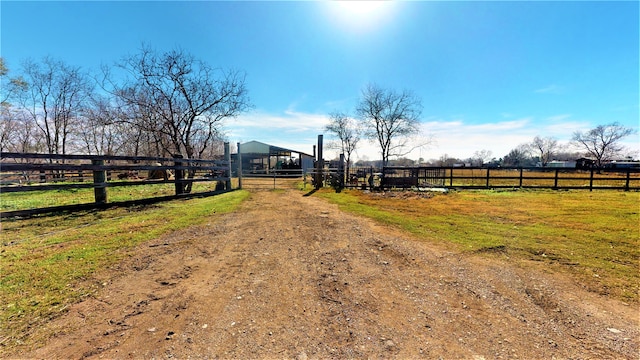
[262, 159]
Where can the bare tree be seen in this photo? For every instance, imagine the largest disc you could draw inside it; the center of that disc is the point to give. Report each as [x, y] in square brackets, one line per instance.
[603, 141]
[54, 100]
[519, 156]
[180, 100]
[545, 147]
[104, 131]
[480, 157]
[9, 85]
[11, 124]
[390, 118]
[347, 132]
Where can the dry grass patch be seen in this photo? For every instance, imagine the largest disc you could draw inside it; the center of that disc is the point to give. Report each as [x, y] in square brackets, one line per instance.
[591, 235]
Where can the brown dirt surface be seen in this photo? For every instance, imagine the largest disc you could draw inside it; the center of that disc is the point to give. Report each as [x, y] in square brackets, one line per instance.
[289, 276]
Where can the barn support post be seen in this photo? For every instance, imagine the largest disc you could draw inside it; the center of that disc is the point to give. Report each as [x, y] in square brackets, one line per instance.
[239, 159]
[99, 183]
[227, 158]
[179, 174]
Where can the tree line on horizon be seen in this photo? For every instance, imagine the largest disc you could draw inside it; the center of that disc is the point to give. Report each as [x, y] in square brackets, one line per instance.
[169, 103]
[390, 119]
[157, 104]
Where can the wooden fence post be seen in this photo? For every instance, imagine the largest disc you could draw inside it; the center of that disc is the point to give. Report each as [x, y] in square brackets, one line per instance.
[626, 185]
[319, 165]
[239, 159]
[99, 183]
[451, 176]
[341, 172]
[591, 180]
[227, 158]
[179, 174]
[520, 177]
[555, 180]
[488, 178]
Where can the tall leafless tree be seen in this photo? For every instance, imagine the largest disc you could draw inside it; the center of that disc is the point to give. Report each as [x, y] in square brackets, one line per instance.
[180, 100]
[12, 129]
[545, 147]
[518, 156]
[348, 133]
[389, 118]
[104, 131]
[480, 157]
[183, 99]
[54, 100]
[603, 141]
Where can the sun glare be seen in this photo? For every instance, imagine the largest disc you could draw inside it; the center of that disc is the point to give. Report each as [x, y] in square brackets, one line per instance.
[361, 15]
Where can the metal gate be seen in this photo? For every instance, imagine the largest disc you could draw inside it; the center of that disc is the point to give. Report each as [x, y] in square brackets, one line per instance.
[275, 179]
[431, 177]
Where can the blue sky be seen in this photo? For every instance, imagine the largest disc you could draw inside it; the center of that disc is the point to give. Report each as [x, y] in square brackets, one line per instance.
[491, 75]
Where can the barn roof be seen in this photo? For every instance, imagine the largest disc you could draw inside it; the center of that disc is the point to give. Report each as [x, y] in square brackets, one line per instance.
[256, 147]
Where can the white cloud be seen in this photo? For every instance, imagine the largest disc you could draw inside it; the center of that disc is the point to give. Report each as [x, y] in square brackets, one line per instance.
[291, 129]
[457, 138]
[290, 121]
[461, 140]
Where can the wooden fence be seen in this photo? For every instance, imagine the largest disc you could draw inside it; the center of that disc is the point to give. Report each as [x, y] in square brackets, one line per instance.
[496, 178]
[26, 172]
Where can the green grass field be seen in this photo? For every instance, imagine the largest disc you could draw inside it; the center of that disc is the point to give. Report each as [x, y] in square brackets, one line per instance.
[47, 262]
[41, 198]
[592, 236]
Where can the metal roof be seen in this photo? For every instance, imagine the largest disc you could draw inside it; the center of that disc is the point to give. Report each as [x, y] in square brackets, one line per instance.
[256, 147]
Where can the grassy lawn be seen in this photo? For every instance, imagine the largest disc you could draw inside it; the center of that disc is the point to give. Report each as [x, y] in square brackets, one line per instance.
[594, 236]
[42, 198]
[45, 261]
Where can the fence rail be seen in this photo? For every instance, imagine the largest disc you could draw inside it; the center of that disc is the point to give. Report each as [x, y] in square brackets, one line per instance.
[495, 178]
[26, 172]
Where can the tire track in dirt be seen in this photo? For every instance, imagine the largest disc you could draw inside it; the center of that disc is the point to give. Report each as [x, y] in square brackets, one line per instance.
[289, 276]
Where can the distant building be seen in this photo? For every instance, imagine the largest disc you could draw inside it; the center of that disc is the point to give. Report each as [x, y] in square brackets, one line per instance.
[585, 163]
[562, 164]
[262, 159]
[622, 164]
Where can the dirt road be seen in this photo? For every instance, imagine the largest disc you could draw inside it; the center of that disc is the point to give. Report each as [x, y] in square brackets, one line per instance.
[293, 277]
